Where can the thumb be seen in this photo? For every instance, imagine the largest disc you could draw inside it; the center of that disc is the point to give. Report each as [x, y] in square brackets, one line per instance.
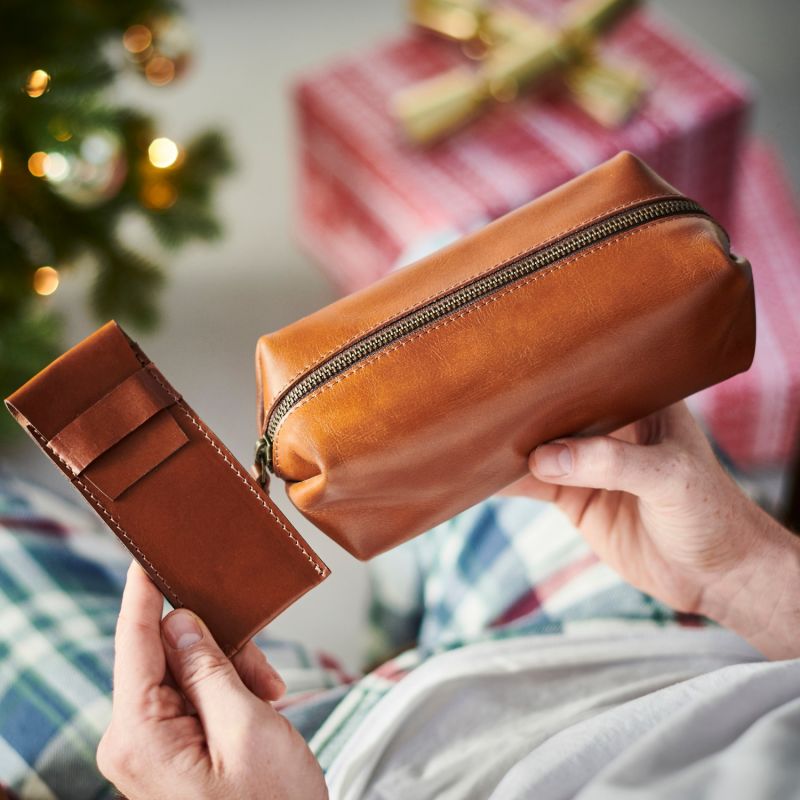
[600, 462]
[202, 671]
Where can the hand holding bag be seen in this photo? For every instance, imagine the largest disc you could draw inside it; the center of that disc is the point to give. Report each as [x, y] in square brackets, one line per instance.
[400, 405]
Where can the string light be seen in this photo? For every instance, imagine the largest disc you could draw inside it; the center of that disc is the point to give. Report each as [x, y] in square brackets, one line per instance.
[163, 152]
[38, 83]
[137, 38]
[56, 167]
[45, 281]
[159, 195]
[36, 164]
[48, 165]
[160, 70]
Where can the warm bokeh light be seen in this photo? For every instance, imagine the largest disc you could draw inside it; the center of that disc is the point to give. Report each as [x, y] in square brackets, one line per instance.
[36, 164]
[38, 83]
[56, 167]
[162, 152]
[159, 195]
[45, 280]
[137, 38]
[1, 162]
[160, 70]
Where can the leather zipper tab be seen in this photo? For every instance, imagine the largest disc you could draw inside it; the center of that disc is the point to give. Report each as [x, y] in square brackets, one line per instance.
[263, 458]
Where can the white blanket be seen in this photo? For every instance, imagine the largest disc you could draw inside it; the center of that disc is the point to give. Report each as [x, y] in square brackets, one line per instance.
[661, 714]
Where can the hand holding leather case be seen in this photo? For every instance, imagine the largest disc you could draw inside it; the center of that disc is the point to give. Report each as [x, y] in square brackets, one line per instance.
[204, 530]
[400, 405]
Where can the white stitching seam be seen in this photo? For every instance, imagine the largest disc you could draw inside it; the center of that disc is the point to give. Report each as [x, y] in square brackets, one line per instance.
[545, 243]
[320, 570]
[448, 320]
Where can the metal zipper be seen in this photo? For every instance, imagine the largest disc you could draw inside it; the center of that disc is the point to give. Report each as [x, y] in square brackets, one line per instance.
[459, 298]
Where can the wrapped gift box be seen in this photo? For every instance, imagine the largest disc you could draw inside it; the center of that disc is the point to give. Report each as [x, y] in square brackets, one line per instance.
[368, 201]
[755, 417]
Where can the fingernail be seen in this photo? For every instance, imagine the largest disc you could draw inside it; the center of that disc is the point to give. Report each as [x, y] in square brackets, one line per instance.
[553, 460]
[181, 629]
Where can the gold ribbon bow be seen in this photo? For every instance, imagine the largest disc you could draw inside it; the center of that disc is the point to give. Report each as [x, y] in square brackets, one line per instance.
[517, 52]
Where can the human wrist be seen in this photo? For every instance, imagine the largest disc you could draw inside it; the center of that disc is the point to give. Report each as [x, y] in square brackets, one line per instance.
[760, 597]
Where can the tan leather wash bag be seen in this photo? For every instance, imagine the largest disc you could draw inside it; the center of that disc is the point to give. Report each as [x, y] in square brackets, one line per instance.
[402, 404]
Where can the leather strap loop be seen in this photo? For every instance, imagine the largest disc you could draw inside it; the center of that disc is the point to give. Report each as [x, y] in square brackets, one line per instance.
[126, 407]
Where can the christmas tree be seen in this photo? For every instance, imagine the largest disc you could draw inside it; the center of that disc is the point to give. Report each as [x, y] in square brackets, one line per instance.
[73, 165]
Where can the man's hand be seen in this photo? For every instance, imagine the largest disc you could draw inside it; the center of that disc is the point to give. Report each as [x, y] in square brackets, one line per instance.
[655, 504]
[188, 722]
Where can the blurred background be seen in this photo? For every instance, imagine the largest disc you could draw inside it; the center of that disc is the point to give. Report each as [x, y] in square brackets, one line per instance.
[234, 64]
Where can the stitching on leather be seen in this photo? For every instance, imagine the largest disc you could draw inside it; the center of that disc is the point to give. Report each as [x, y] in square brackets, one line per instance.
[450, 319]
[148, 564]
[322, 571]
[545, 243]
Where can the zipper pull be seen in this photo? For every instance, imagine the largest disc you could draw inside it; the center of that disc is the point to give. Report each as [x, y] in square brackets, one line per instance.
[263, 459]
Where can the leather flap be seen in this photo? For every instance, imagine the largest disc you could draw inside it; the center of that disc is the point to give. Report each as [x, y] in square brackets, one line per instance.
[119, 412]
[50, 400]
[100, 412]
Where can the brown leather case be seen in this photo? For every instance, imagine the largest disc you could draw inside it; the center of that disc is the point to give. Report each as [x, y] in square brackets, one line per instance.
[205, 531]
[398, 418]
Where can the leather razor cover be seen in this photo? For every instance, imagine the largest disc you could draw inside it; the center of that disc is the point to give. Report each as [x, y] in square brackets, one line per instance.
[203, 529]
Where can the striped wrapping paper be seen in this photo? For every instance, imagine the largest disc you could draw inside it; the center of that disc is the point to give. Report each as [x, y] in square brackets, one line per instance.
[368, 202]
[755, 417]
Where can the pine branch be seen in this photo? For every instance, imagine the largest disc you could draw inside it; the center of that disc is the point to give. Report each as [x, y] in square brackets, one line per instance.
[191, 217]
[47, 222]
[124, 287]
[29, 340]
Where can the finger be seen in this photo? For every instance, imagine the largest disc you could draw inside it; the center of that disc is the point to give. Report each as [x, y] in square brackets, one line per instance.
[258, 675]
[203, 672]
[601, 462]
[529, 486]
[139, 663]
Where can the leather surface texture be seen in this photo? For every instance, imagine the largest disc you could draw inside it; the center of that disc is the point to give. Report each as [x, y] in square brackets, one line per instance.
[445, 417]
[204, 530]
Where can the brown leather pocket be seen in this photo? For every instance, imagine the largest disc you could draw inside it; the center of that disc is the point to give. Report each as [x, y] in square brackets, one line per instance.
[135, 456]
